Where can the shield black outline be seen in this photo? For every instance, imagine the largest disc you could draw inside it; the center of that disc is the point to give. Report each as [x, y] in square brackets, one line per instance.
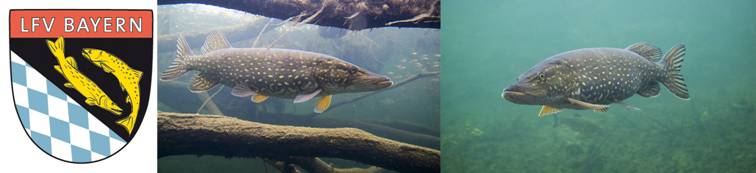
[147, 94]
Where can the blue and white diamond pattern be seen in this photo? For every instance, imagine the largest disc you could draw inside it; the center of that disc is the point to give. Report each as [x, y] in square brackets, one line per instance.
[55, 122]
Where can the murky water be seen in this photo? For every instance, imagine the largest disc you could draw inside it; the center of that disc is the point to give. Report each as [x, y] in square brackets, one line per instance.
[488, 44]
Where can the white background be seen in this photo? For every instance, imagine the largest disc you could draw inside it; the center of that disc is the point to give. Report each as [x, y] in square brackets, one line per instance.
[19, 154]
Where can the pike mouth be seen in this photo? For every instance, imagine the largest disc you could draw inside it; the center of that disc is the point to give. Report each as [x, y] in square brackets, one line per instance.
[385, 84]
[511, 95]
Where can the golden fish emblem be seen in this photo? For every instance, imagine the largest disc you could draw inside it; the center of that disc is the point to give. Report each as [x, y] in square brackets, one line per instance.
[78, 81]
[128, 78]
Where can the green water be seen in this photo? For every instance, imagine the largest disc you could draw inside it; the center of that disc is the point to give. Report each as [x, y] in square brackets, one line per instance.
[487, 44]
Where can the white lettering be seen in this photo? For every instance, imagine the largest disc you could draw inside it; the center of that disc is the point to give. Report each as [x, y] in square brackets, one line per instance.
[68, 24]
[82, 25]
[138, 25]
[94, 23]
[106, 25]
[23, 29]
[119, 25]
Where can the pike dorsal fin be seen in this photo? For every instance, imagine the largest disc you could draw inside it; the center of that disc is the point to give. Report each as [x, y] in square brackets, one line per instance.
[72, 62]
[648, 51]
[215, 41]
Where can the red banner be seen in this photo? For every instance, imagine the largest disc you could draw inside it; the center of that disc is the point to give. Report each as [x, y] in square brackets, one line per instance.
[81, 23]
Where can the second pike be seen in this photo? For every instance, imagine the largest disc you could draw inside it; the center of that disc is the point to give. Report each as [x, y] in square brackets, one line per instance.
[128, 78]
[593, 78]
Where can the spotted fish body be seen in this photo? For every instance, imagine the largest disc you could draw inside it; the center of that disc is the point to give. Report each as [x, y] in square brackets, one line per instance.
[76, 80]
[593, 78]
[272, 72]
[263, 72]
[128, 79]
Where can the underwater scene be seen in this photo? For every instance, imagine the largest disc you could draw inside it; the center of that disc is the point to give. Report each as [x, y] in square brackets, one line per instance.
[391, 90]
[490, 45]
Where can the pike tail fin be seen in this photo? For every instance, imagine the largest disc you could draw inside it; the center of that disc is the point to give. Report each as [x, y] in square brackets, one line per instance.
[128, 122]
[673, 79]
[179, 66]
[56, 48]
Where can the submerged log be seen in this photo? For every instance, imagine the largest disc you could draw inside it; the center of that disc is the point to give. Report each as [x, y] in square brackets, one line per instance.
[346, 14]
[182, 134]
[421, 139]
[176, 88]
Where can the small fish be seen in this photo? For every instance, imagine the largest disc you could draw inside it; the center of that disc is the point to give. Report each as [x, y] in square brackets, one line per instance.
[593, 78]
[262, 72]
[128, 78]
[78, 81]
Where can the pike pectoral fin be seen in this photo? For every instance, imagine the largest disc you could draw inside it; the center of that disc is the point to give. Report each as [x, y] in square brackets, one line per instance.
[90, 101]
[259, 98]
[68, 85]
[323, 104]
[107, 68]
[586, 105]
[304, 97]
[242, 91]
[57, 68]
[547, 110]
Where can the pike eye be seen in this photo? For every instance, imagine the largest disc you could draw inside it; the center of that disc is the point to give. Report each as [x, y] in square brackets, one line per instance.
[541, 76]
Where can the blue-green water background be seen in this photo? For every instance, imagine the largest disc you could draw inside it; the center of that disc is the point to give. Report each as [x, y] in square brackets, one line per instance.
[487, 44]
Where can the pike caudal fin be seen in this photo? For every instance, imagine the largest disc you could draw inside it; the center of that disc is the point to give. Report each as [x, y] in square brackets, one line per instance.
[128, 122]
[673, 78]
[57, 47]
[179, 66]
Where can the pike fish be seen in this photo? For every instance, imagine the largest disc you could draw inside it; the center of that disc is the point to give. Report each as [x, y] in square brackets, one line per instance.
[263, 72]
[593, 78]
[78, 81]
[128, 79]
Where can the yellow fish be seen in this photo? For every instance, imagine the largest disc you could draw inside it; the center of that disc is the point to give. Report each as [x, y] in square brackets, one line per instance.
[127, 77]
[78, 81]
